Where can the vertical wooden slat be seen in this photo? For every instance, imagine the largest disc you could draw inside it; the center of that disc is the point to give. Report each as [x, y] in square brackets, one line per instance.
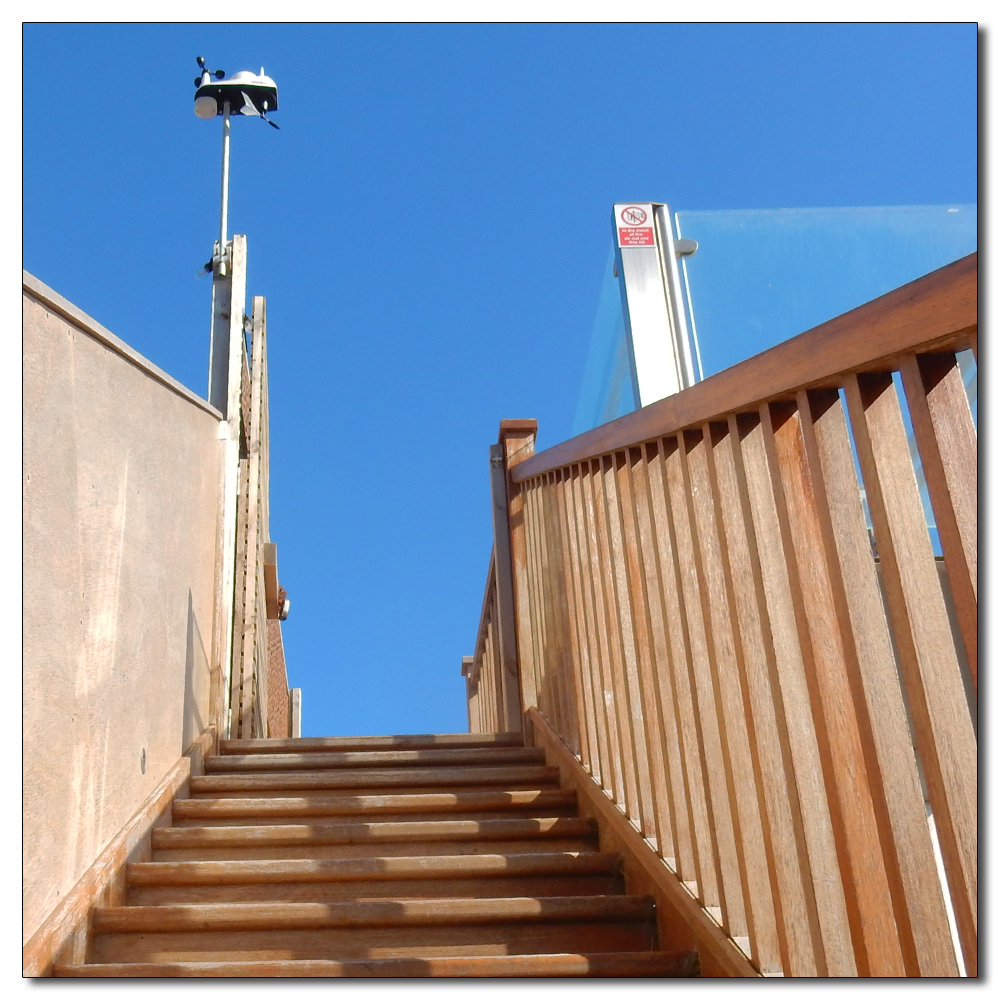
[945, 739]
[600, 760]
[616, 472]
[663, 482]
[551, 634]
[719, 844]
[614, 648]
[710, 558]
[946, 440]
[770, 524]
[688, 803]
[640, 649]
[674, 820]
[644, 583]
[918, 906]
[609, 697]
[582, 671]
[533, 575]
[791, 880]
[828, 654]
[558, 654]
[782, 942]
[574, 652]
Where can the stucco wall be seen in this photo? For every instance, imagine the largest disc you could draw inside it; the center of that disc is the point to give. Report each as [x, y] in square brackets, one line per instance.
[121, 506]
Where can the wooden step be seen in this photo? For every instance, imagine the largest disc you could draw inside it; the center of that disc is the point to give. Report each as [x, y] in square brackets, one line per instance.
[373, 913]
[407, 742]
[648, 965]
[480, 803]
[288, 761]
[413, 779]
[606, 884]
[397, 849]
[353, 833]
[374, 869]
[322, 881]
[389, 928]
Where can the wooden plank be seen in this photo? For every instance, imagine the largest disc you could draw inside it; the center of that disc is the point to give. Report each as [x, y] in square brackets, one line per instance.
[370, 913]
[629, 614]
[415, 741]
[935, 312]
[692, 828]
[918, 906]
[770, 524]
[567, 626]
[443, 886]
[614, 773]
[749, 883]
[373, 778]
[364, 943]
[535, 633]
[640, 563]
[589, 665]
[691, 448]
[670, 803]
[828, 655]
[732, 590]
[707, 771]
[612, 622]
[800, 939]
[351, 869]
[370, 849]
[518, 438]
[252, 637]
[264, 762]
[945, 740]
[946, 440]
[348, 833]
[671, 893]
[578, 635]
[508, 691]
[548, 582]
[486, 800]
[604, 965]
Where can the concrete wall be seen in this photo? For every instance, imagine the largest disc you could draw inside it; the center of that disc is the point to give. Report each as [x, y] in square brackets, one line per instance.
[122, 471]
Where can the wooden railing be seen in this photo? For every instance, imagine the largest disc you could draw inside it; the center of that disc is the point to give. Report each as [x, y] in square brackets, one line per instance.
[778, 699]
[257, 647]
[483, 680]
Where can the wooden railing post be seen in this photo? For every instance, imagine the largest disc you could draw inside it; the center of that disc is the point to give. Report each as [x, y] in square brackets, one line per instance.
[515, 443]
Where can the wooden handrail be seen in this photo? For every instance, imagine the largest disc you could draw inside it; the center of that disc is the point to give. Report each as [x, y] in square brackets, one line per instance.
[935, 312]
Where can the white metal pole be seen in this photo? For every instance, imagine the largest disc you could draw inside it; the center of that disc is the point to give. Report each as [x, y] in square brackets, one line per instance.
[224, 221]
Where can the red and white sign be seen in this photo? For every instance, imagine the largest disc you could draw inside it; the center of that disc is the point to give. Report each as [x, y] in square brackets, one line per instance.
[635, 225]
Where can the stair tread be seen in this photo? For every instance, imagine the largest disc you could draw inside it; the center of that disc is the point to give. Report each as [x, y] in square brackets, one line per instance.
[479, 756]
[349, 833]
[203, 917]
[377, 777]
[418, 740]
[351, 805]
[611, 964]
[361, 869]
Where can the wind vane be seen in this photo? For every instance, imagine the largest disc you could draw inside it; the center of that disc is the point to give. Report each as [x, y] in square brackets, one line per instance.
[244, 93]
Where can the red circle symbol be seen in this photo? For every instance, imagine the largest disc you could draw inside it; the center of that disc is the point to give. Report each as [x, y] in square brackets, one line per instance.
[632, 215]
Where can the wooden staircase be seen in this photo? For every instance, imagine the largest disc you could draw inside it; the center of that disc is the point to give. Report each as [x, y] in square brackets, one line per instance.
[398, 856]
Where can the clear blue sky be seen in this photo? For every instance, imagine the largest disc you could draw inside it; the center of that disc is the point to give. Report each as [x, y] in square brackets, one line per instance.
[430, 228]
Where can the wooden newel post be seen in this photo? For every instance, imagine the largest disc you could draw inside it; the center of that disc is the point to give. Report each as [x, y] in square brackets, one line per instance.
[516, 443]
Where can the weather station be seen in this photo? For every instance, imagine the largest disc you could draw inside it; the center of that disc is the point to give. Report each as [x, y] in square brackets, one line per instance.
[252, 95]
